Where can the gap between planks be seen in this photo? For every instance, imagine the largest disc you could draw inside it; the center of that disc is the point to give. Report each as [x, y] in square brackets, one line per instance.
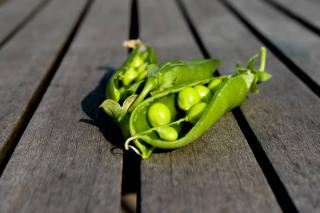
[23, 122]
[131, 184]
[295, 69]
[293, 16]
[22, 24]
[272, 177]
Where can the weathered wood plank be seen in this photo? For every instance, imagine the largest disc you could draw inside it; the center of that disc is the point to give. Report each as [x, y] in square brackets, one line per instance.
[297, 43]
[62, 162]
[284, 116]
[15, 14]
[218, 172]
[307, 10]
[2, 2]
[26, 63]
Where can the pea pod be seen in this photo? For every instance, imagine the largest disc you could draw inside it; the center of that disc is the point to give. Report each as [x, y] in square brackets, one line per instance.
[174, 74]
[230, 93]
[139, 57]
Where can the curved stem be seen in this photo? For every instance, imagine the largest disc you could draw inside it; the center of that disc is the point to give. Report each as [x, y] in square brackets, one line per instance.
[126, 144]
[135, 150]
[139, 134]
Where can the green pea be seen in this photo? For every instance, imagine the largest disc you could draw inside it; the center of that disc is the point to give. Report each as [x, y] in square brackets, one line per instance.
[136, 62]
[195, 113]
[204, 93]
[122, 90]
[214, 83]
[187, 98]
[117, 94]
[158, 114]
[142, 75]
[129, 76]
[168, 133]
[144, 55]
[142, 67]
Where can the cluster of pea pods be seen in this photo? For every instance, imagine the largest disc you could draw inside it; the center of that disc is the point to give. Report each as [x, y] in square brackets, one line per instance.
[170, 105]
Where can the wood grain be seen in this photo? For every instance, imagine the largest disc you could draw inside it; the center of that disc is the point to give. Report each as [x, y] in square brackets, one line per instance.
[15, 14]
[297, 43]
[284, 116]
[26, 62]
[218, 172]
[63, 163]
[307, 10]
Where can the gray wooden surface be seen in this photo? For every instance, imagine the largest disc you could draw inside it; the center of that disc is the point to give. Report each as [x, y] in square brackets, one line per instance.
[2, 2]
[68, 158]
[25, 63]
[307, 10]
[62, 162]
[284, 116]
[218, 172]
[300, 45]
[15, 14]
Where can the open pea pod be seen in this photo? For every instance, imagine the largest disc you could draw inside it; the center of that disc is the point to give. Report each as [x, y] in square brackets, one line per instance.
[126, 80]
[228, 94]
[175, 74]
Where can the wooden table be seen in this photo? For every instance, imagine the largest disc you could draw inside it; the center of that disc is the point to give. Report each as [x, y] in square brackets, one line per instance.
[57, 155]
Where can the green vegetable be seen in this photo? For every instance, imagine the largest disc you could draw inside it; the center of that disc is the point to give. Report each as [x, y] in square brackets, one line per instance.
[187, 98]
[128, 77]
[231, 92]
[170, 106]
[196, 111]
[174, 74]
[159, 114]
[203, 92]
[168, 133]
[139, 58]
[214, 83]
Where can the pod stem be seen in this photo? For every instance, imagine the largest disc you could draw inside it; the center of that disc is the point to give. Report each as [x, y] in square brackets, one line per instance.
[149, 86]
[263, 56]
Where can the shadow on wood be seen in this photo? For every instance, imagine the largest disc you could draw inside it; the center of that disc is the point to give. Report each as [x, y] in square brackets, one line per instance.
[90, 105]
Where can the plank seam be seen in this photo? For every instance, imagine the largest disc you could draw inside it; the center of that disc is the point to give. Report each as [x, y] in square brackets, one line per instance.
[131, 167]
[23, 23]
[295, 69]
[14, 137]
[274, 181]
[293, 16]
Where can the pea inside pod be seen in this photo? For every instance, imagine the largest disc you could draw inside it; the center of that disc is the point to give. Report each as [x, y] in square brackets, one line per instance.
[175, 74]
[130, 72]
[230, 93]
[187, 98]
[179, 119]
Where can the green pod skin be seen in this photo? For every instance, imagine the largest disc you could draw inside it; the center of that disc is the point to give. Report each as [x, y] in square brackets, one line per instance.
[173, 74]
[149, 56]
[231, 92]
